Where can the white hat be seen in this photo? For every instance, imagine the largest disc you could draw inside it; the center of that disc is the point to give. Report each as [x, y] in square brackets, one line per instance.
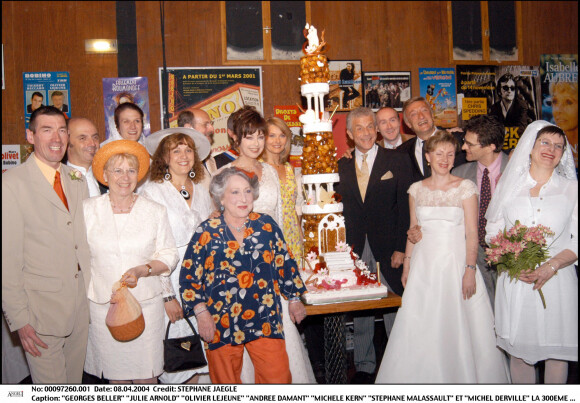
[201, 143]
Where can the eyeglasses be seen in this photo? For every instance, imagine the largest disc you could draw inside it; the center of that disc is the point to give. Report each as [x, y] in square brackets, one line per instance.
[468, 144]
[118, 172]
[549, 144]
[508, 88]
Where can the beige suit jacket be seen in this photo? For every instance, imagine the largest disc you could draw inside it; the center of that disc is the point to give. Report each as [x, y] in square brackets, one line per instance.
[43, 246]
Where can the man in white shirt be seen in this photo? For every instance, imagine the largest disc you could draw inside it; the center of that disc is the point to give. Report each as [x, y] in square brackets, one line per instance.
[418, 116]
[83, 143]
[389, 126]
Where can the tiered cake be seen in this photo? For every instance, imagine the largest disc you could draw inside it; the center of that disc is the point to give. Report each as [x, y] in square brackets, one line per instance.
[331, 272]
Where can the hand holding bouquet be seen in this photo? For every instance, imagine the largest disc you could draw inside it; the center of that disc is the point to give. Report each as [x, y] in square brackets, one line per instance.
[519, 249]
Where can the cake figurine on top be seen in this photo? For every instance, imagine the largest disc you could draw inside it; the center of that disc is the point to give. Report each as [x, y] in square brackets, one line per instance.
[331, 272]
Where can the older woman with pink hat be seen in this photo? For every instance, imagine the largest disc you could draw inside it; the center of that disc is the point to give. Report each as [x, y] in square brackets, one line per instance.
[130, 241]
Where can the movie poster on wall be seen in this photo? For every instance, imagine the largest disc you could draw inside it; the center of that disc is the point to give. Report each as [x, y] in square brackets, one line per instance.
[475, 90]
[15, 154]
[437, 86]
[517, 96]
[386, 89]
[559, 99]
[289, 114]
[346, 90]
[219, 91]
[46, 88]
[119, 90]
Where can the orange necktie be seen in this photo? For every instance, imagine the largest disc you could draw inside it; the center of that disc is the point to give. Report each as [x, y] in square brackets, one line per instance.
[58, 189]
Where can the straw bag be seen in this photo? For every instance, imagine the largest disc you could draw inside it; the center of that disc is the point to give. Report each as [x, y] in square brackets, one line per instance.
[125, 318]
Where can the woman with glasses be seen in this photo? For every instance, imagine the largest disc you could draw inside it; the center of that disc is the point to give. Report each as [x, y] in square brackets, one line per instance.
[130, 241]
[539, 186]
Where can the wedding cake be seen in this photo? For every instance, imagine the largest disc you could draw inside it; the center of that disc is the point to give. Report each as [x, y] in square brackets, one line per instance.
[331, 272]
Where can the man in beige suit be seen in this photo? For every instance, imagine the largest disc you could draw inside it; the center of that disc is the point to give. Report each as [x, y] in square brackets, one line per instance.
[45, 259]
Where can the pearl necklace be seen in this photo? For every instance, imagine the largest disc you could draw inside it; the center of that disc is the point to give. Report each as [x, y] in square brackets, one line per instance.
[128, 208]
[240, 228]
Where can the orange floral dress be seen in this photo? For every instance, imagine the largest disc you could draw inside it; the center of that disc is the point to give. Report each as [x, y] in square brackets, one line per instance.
[241, 284]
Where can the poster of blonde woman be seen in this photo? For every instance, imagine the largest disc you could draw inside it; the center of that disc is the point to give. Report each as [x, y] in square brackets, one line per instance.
[559, 75]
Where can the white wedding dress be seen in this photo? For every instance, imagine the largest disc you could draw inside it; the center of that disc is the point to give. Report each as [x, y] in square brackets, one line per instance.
[269, 202]
[438, 337]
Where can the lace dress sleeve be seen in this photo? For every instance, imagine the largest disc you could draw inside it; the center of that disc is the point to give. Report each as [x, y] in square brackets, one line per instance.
[467, 189]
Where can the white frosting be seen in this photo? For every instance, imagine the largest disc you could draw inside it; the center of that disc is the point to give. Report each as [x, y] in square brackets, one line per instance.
[320, 178]
[317, 127]
[328, 208]
[314, 89]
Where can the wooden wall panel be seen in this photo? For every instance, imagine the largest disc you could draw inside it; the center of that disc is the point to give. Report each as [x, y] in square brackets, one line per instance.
[386, 36]
[49, 36]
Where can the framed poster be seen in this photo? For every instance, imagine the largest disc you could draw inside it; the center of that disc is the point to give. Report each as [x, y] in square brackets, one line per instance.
[437, 86]
[386, 88]
[345, 85]
[219, 91]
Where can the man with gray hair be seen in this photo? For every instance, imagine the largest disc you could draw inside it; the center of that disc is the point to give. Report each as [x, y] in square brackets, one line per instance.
[373, 186]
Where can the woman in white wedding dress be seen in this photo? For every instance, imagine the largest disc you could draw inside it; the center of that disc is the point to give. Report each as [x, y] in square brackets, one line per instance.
[539, 186]
[444, 331]
[250, 129]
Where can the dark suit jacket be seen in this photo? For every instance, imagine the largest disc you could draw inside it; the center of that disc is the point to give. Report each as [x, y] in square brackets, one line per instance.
[223, 159]
[408, 147]
[384, 216]
[29, 108]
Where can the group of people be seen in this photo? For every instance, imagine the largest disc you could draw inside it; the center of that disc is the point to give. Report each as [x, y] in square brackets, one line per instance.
[216, 238]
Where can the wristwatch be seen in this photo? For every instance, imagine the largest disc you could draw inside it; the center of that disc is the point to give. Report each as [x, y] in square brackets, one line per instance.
[150, 269]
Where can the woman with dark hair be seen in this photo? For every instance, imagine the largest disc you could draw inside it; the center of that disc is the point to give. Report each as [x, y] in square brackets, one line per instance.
[176, 183]
[443, 332]
[235, 270]
[539, 186]
[129, 123]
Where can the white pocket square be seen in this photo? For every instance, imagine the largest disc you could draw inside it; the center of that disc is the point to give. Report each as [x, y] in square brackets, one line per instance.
[386, 176]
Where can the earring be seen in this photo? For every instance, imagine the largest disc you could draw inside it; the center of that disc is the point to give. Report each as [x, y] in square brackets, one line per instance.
[222, 208]
[167, 175]
[192, 173]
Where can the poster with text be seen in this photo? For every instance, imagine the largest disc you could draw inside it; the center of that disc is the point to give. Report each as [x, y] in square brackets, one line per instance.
[517, 92]
[437, 86]
[559, 99]
[289, 114]
[219, 91]
[386, 89]
[125, 89]
[475, 90]
[346, 90]
[46, 88]
[14, 155]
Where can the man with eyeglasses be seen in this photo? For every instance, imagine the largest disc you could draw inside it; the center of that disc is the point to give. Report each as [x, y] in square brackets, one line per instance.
[511, 109]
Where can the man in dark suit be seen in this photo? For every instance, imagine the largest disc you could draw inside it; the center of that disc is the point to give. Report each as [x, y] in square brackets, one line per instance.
[510, 110]
[373, 186]
[57, 99]
[418, 115]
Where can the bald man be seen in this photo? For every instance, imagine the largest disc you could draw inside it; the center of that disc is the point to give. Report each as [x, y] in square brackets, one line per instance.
[83, 143]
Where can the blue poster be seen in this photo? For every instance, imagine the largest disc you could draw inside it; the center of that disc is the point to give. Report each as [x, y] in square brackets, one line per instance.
[46, 88]
[437, 86]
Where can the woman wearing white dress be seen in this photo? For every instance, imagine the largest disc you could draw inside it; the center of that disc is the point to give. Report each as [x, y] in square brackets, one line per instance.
[176, 182]
[539, 186]
[443, 332]
[130, 241]
[249, 130]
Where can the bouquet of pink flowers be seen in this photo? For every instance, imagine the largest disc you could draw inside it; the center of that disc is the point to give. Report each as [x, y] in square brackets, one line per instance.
[519, 249]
